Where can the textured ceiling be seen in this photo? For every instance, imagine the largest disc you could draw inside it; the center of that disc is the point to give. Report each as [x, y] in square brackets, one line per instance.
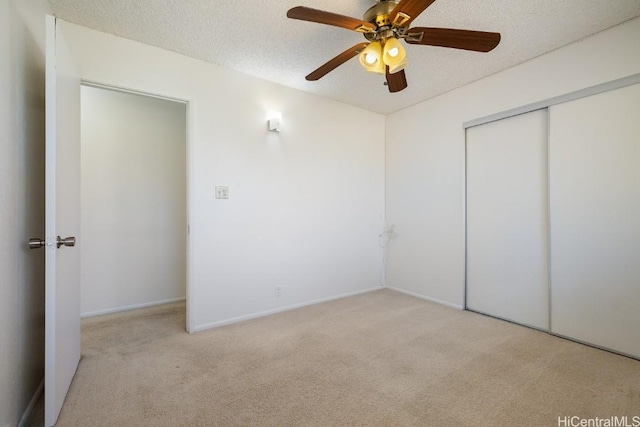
[255, 37]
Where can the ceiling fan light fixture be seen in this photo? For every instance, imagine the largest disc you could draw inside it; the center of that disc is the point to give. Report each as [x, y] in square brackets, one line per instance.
[371, 58]
[398, 67]
[394, 55]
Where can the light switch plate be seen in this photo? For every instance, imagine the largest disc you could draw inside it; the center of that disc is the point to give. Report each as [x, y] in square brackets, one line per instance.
[222, 192]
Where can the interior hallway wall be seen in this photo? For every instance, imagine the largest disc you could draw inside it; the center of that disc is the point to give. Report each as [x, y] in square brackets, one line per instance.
[21, 205]
[426, 159]
[134, 200]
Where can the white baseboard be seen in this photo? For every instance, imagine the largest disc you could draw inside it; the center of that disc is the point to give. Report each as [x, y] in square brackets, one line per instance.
[129, 307]
[238, 319]
[437, 301]
[32, 404]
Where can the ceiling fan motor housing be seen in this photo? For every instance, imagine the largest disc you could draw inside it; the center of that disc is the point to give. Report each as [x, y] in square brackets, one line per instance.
[379, 16]
[379, 13]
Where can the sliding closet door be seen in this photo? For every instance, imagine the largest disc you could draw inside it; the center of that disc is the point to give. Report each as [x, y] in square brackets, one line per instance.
[507, 219]
[595, 219]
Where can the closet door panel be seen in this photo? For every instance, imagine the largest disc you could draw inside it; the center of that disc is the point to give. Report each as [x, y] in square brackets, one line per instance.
[595, 219]
[507, 219]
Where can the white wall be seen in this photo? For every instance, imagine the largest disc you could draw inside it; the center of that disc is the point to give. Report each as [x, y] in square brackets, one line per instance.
[21, 205]
[306, 205]
[425, 154]
[134, 197]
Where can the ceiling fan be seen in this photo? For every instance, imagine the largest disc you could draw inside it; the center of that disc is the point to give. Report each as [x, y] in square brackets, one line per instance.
[383, 25]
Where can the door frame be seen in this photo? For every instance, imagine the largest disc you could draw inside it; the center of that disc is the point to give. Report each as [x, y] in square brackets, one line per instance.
[190, 312]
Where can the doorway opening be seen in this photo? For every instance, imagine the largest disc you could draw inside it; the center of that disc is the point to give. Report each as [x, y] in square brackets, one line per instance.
[134, 203]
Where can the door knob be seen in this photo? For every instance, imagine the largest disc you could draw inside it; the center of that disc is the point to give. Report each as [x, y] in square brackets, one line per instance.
[67, 241]
[38, 243]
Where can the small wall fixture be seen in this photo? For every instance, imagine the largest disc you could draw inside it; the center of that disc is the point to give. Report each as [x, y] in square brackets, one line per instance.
[275, 122]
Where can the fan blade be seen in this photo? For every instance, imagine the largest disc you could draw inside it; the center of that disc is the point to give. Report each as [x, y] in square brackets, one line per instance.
[478, 41]
[313, 15]
[408, 10]
[396, 81]
[336, 62]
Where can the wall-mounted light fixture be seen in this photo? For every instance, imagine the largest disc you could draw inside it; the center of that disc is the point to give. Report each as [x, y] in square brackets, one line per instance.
[275, 121]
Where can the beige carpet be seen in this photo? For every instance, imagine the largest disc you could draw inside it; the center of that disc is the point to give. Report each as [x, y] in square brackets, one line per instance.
[378, 359]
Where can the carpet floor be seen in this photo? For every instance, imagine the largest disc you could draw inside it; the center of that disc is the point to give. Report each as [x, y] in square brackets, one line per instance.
[377, 359]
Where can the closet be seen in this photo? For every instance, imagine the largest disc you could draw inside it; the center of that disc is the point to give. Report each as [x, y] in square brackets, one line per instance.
[553, 217]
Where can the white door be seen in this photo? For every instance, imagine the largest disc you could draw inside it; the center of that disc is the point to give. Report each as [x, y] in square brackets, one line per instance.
[507, 219]
[62, 212]
[595, 219]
